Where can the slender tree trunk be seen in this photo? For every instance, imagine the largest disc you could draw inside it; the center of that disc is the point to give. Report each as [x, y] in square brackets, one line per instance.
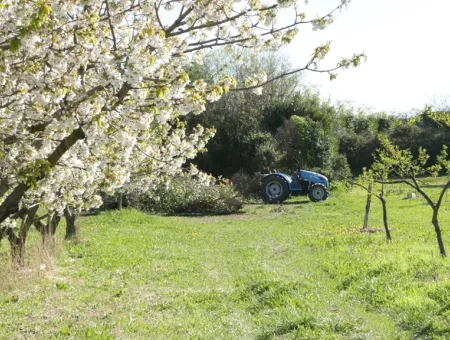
[49, 231]
[45, 232]
[437, 229]
[72, 230]
[385, 218]
[368, 203]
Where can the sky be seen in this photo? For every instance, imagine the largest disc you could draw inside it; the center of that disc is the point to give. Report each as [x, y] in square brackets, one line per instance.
[407, 45]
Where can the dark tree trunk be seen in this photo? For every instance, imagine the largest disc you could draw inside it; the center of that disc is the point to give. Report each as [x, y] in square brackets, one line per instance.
[40, 226]
[435, 206]
[17, 246]
[369, 200]
[3, 233]
[385, 218]
[18, 242]
[437, 229]
[72, 230]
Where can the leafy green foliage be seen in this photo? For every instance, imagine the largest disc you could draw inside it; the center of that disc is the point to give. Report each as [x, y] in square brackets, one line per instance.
[403, 162]
[408, 167]
[243, 140]
[255, 133]
[340, 170]
[305, 135]
[442, 162]
[32, 173]
[189, 196]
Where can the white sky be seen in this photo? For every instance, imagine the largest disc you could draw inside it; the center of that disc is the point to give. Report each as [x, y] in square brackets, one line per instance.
[407, 46]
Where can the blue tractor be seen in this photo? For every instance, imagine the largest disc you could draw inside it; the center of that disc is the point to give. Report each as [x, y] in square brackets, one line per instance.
[277, 187]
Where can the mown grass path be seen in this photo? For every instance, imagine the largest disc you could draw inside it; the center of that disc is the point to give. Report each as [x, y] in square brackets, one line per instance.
[293, 271]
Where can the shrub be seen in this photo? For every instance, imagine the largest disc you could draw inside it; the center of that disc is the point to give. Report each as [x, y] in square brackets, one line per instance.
[340, 186]
[340, 169]
[247, 185]
[187, 195]
[111, 202]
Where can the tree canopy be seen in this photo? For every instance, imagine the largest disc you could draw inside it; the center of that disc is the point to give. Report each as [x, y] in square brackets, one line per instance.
[94, 92]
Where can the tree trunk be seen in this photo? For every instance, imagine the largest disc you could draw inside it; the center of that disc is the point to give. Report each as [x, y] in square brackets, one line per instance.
[437, 229]
[72, 230]
[369, 200]
[17, 246]
[49, 231]
[3, 233]
[18, 242]
[385, 218]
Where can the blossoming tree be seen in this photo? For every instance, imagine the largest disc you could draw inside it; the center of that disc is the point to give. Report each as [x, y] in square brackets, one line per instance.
[92, 91]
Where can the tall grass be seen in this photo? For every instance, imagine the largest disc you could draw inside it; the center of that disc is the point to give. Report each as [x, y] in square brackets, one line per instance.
[299, 270]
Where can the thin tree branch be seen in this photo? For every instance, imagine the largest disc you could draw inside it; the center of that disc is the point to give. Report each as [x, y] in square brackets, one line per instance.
[220, 22]
[306, 68]
[423, 193]
[157, 14]
[179, 21]
[111, 27]
[441, 196]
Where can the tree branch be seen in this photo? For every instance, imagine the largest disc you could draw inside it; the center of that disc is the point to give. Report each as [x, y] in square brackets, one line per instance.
[441, 196]
[306, 68]
[111, 27]
[234, 39]
[11, 203]
[220, 22]
[41, 126]
[423, 193]
[179, 21]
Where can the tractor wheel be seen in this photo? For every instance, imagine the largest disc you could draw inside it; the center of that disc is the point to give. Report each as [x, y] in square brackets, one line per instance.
[318, 192]
[274, 189]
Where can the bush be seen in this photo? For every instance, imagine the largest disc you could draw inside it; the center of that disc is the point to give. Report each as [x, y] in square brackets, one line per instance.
[340, 186]
[340, 169]
[247, 185]
[187, 195]
[111, 202]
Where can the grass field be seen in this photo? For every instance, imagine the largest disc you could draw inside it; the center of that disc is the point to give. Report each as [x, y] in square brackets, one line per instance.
[299, 270]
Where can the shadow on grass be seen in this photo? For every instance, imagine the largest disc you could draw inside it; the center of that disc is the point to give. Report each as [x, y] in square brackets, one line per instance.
[94, 212]
[296, 202]
[282, 203]
[186, 214]
[431, 331]
[306, 323]
[206, 214]
[433, 186]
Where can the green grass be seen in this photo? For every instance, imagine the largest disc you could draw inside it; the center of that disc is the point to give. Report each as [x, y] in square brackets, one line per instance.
[299, 270]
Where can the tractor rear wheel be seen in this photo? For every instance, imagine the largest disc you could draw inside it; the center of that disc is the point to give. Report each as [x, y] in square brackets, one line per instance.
[318, 192]
[274, 189]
